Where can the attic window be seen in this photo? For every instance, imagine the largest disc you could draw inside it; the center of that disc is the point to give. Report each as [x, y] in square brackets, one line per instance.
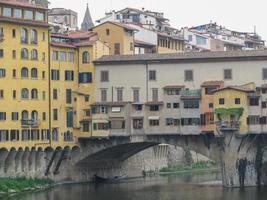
[107, 31]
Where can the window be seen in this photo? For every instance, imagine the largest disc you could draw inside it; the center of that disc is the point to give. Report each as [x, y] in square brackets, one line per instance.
[55, 94]
[153, 122]
[34, 116]
[69, 75]
[24, 36]
[14, 54]
[190, 38]
[86, 57]
[25, 93]
[34, 54]
[190, 121]
[14, 94]
[101, 126]
[154, 108]
[117, 124]
[28, 14]
[117, 49]
[55, 134]
[55, 114]
[264, 74]
[44, 116]
[103, 95]
[201, 40]
[173, 91]
[43, 95]
[119, 95]
[40, 16]
[1, 31]
[34, 37]
[2, 73]
[15, 116]
[63, 56]
[34, 94]
[152, 75]
[25, 115]
[86, 127]
[1, 53]
[104, 76]
[14, 73]
[176, 105]
[43, 56]
[24, 53]
[264, 104]
[55, 55]
[24, 72]
[43, 74]
[71, 57]
[68, 96]
[7, 12]
[69, 119]
[85, 77]
[18, 13]
[253, 120]
[221, 101]
[169, 105]
[155, 95]
[191, 104]
[209, 90]
[43, 38]
[210, 105]
[14, 33]
[188, 75]
[136, 95]
[254, 101]
[227, 74]
[2, 116]
[86, 98]
[138, 107]
[34, 73]
[54, 75]
[107, 32]
[138, 123]
[237, 101]
[1, 94]
[14, 135]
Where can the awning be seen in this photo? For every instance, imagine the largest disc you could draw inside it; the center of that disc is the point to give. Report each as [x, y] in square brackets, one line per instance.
[153, 118]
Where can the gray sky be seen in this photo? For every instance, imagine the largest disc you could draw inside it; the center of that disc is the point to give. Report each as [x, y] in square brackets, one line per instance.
[240, 15]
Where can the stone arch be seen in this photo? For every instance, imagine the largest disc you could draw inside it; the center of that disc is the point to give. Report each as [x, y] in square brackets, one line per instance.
[18, 160]
[3, 156]
[24, 160]
[31, 159]
[10, 162]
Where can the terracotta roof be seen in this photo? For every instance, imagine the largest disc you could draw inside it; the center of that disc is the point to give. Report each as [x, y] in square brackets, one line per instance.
[18, 3]
[24, 21]
[238, 88]
[151, 103]
[117, 24]
[62, 44]
[109, 103]
[173, 87]
[215, 56]
[212, 83]
[75, 34]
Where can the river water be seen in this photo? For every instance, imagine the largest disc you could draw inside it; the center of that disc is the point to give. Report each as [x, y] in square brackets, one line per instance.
[169, 187]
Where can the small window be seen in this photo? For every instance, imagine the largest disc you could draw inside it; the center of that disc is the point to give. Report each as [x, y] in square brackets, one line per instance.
[14, 33]
[210, 105]
[136, 95]
[137, 123]
[237, 101]
[119, 95]
[176, 105]
[86, 57]
[103, 95]
[254, 101]
[117, 49]
[55, 94]
[153, 122]
[155, 95]
[1, 94]
[107, 32]
[221, 101]
[152, 75]
[227, 74]
[154, 108]
[169, 105]
[14, 54]
[188, 75]
[55, 114]
[15, 116]
[1, 53]
[264, 74]
[2, 73]
[104, 76]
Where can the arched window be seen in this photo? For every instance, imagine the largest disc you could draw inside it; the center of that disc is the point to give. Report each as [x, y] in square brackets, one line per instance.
[24, 72]
[86, 57]
[34, 116]
[25, 115]
[24, 53]
[24, 36]
[34, 54]
[25, 93]
[34, 73]
[34, 37]
[34, 94]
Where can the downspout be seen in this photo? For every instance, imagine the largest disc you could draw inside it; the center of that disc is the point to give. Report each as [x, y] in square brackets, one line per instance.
[49, 90]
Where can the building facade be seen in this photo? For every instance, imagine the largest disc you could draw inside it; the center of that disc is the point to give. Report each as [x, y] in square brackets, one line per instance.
[174, 94]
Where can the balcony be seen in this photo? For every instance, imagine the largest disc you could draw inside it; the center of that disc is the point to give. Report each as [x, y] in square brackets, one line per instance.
[228, 125]
[190, 94]
[26, 123]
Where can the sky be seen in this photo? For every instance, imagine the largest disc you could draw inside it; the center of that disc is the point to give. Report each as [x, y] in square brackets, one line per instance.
[239, 15]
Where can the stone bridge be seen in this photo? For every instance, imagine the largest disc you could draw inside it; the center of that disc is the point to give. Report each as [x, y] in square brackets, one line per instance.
[243, 159]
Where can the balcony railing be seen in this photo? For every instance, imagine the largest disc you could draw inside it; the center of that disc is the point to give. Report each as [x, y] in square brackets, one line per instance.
[228, 126]
[30, 123]
[190, 93]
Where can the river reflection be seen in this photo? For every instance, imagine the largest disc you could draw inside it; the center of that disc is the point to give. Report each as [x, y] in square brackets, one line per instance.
[171, 187]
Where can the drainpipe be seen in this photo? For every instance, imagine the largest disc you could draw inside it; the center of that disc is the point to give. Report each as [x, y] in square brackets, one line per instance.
[49, 90]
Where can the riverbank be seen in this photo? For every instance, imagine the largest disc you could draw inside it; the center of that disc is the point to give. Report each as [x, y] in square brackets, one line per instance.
[201, 166]
[13, 186]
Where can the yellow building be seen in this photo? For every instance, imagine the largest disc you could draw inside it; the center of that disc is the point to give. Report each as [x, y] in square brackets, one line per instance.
[72, 84]
[119, 37]
[24, 72]
[231, 108]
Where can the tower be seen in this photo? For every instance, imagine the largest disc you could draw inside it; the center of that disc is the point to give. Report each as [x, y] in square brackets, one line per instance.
[87, 21]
